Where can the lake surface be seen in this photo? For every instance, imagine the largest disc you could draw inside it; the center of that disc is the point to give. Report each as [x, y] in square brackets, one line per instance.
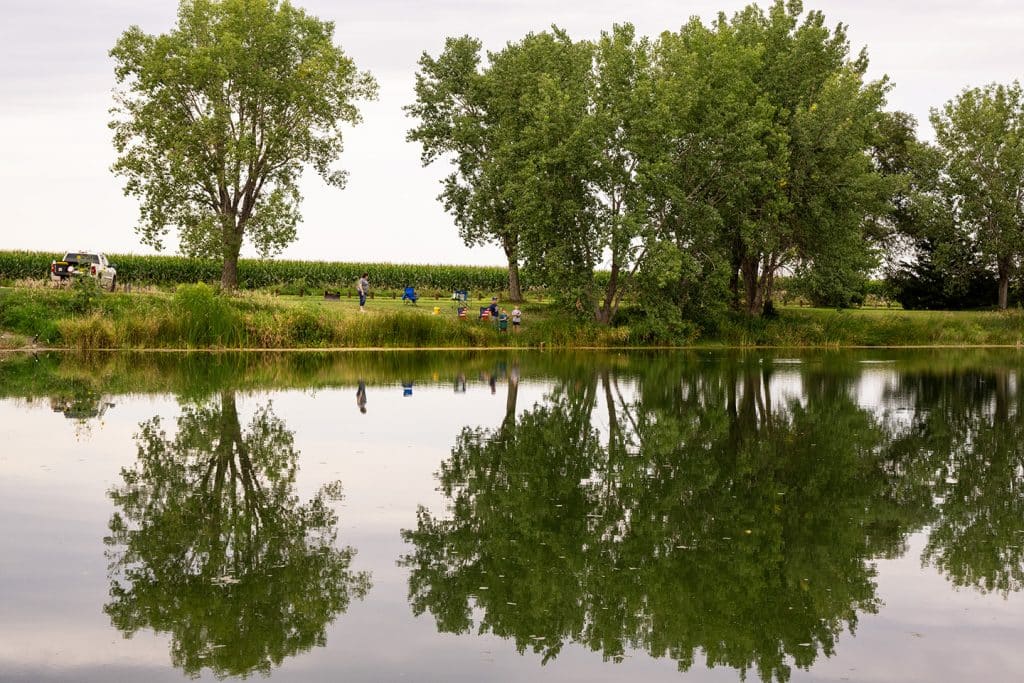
[513, 517]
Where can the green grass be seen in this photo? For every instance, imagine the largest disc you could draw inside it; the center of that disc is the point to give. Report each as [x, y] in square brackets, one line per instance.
[815, 327]
[195, 318]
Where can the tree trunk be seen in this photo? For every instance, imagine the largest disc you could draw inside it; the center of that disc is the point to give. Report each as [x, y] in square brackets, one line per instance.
[1004, 283]
[231, 246]
[736, 261]
[605, 312]
[515, 292]
[768, 306]
[752, 286]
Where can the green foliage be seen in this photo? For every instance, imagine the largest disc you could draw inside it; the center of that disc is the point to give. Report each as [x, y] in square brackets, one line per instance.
[981, 134]
[928, 282]
[88, 333]
[205, 319]
[745, 145]
[837, 328]
[33, 314]
[215, 121]
[508, 124]
[86, 294]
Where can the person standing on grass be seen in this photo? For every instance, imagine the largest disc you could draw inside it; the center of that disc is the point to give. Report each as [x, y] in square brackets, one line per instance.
[517, 319]
[364, 288]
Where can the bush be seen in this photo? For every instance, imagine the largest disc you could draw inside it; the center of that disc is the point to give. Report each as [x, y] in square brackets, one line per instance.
[85, 295]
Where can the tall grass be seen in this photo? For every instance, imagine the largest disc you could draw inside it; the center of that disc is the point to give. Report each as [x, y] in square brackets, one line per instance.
[203, 319]
[833, 328]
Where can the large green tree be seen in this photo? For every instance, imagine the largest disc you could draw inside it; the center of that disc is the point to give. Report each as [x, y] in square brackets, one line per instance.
[981, 132]
[506, 123]
[816, 212]
[215, 121]
[714, 153]
[619, 129]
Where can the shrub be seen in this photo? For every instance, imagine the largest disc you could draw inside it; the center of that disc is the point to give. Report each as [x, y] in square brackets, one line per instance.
[85, 294]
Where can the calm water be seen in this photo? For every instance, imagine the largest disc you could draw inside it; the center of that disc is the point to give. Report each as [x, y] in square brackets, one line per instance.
[466, 517]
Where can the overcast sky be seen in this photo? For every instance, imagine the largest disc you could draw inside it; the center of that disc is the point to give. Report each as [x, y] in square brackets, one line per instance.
[55, 80]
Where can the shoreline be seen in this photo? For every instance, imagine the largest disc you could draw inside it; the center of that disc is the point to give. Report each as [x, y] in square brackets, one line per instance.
[542, 348]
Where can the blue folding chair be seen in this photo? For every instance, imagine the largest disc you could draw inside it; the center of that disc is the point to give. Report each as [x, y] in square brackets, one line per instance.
[410, 295]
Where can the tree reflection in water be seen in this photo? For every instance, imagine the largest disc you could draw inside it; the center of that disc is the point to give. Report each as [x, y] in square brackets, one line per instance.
[714, 512]
[967, 438]
[211, 544]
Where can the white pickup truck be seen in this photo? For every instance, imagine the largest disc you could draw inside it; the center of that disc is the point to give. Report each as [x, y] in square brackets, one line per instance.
[80, 263]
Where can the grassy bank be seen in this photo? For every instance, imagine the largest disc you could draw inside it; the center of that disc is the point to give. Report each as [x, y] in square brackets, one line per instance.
[193, 318]
[814, 327]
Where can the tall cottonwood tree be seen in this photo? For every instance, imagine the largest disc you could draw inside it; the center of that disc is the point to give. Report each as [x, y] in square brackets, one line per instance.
[502, 121]
[826, 113]
[215, 121]
[715, 152]
[620, 125]
[981, 133]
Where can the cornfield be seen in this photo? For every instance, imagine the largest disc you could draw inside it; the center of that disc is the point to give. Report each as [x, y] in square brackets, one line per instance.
[266, 273]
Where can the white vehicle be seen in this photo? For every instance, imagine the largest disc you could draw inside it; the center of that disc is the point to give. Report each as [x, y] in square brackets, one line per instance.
[80, 263]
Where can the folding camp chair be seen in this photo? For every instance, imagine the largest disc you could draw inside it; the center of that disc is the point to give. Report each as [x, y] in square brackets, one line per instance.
[461, 299]
[410, 295]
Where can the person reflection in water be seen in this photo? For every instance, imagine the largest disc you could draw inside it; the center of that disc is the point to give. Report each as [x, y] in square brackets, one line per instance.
[361, 396]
